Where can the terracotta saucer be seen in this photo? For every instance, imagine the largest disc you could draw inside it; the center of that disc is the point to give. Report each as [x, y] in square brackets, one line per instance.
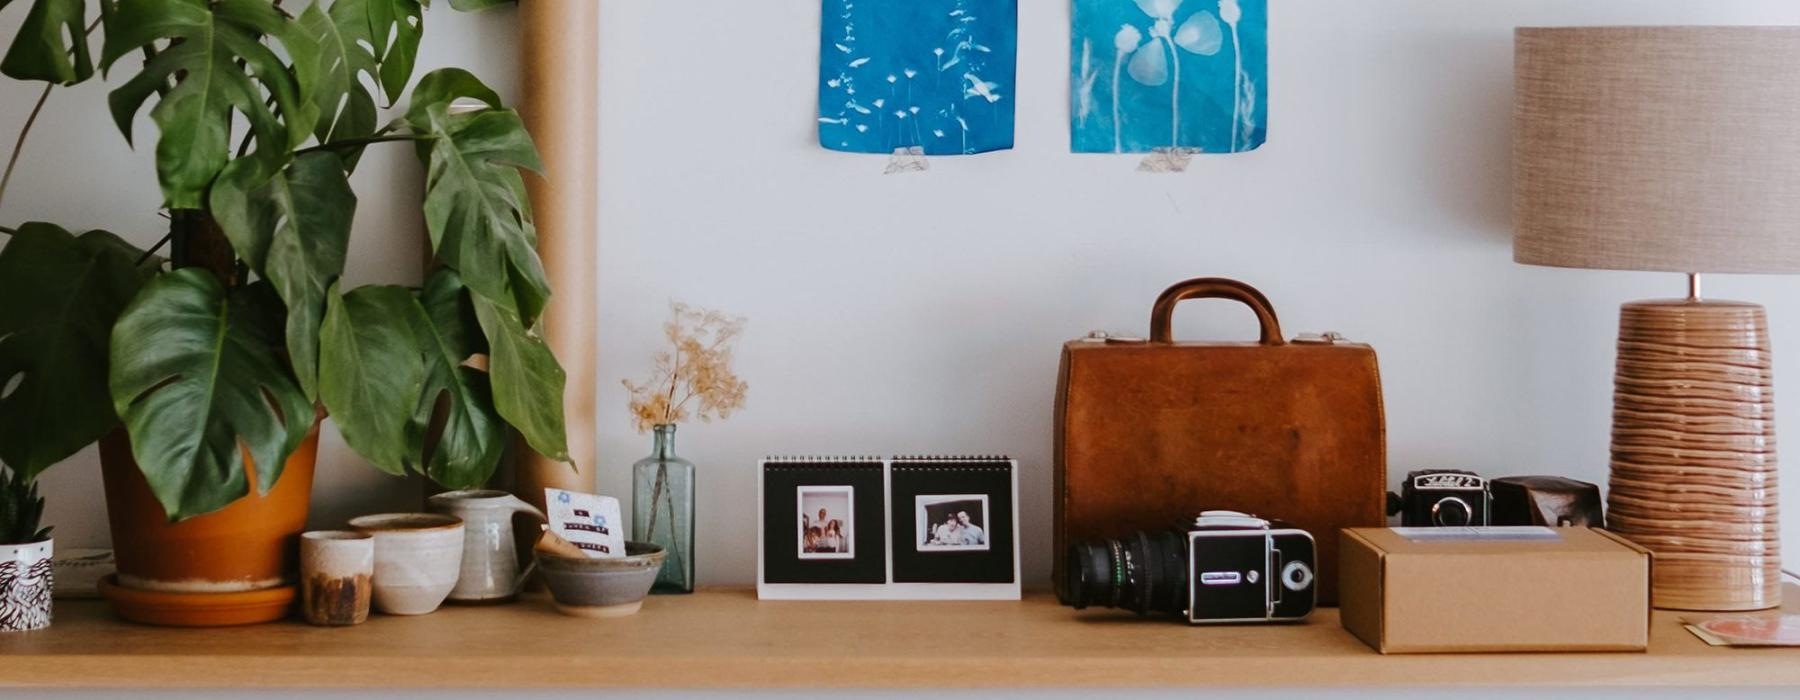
[198, 609]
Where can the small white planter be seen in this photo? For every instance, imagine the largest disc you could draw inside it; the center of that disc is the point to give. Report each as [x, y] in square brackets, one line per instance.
[25, 584]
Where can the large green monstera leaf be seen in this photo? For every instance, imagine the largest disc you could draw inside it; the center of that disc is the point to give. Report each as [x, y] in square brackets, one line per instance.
[346, 109]
[293, 228]
[528, 381]
[195, 379]
[222, 66]
[63, 292]
[373, 39]
[458, 399]
[397, 26]
[394, 378]
[475, 203]
[44, 49]
[373, 373]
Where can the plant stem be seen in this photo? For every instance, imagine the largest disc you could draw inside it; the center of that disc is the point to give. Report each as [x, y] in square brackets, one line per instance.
[1174, 96]
[663, 496]
[656, 496]
[19, 145]
[675, 538]
[364, 141]
[152, 251]
[197, 241]
[674, 381]
[1237, 87]
[1118, 128]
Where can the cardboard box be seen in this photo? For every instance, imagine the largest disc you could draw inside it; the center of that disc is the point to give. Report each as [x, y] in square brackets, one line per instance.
[1413, 590]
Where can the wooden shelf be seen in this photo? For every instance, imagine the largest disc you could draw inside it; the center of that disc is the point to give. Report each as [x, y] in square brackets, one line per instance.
[728, 638]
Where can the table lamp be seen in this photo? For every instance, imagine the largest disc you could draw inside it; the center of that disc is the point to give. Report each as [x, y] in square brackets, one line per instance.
[1674, 149]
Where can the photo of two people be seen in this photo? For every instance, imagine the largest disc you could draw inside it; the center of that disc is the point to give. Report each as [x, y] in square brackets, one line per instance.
[951, 523]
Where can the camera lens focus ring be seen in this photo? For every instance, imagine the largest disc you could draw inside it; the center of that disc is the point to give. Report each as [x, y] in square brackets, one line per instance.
[1119, 562]
[1145, 573]
[1145, 581]
[1451, 511]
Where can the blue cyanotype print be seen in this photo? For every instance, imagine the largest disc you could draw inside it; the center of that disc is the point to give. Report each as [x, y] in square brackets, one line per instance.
[1159, 74]
[932, 74]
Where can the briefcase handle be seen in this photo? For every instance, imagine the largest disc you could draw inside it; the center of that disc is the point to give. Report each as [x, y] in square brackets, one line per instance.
[1213, 288]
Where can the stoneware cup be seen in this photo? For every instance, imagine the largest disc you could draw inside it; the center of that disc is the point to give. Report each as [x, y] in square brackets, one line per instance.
[490, 560]
[336, 568]
[417, 556]
[25, 586]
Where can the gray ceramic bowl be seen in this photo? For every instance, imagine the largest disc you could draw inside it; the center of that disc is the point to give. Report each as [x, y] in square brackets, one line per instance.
[587, 587]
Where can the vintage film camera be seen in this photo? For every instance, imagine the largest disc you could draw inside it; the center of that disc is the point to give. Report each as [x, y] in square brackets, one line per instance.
[1442, 498]
[1225, 567]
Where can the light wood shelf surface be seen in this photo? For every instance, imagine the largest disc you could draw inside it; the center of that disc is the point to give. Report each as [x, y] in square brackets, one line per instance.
[727, 638]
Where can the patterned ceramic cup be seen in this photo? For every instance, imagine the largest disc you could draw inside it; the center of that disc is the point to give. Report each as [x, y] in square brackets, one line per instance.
[25, 586]
[336, 572]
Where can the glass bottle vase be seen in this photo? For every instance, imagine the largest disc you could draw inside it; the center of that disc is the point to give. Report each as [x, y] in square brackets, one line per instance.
[662, 510]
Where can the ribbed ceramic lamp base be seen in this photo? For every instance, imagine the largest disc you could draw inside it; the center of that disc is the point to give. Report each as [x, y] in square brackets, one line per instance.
[1693, 452]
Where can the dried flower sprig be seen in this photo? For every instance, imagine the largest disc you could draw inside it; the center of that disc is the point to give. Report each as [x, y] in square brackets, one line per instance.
[696, 368]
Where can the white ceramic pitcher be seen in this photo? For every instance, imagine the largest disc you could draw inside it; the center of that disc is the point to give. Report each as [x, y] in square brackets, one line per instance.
[490, 562]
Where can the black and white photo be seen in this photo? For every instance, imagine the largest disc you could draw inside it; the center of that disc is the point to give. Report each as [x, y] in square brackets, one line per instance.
[951, 523]
[826, 523]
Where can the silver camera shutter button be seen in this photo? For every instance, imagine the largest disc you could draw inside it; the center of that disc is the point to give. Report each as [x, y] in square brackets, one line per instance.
[1251, 576]
[1296, 576]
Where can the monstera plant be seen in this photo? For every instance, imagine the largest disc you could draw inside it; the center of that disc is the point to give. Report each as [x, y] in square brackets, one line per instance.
[218, 348]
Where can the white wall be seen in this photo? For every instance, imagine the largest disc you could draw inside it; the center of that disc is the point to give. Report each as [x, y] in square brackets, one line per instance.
[925, 312]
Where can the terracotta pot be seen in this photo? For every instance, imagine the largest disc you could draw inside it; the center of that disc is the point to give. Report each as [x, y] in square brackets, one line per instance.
[250, 545]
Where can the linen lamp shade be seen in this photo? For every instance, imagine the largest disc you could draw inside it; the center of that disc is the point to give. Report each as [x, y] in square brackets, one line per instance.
[1658, 148]
[1674, 149]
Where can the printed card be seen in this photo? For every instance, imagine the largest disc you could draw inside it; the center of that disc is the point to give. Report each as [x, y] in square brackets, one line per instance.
[587, 521]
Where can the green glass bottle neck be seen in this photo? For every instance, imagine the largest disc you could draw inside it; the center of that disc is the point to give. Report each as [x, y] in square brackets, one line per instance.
[664, 448]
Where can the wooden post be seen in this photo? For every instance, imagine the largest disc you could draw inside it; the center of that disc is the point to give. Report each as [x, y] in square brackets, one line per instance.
[561, 64]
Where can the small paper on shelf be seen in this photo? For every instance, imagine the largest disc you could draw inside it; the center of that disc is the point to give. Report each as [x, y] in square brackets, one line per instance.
[585, 521]
[1747, 630]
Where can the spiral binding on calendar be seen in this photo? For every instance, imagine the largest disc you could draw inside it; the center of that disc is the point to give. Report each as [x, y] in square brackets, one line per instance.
[908, 459]
[913, 459]
[822, 459]
[944, 464]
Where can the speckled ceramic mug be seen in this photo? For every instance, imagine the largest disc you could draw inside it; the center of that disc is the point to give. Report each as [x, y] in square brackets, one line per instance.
[417, 558]
[336, 572]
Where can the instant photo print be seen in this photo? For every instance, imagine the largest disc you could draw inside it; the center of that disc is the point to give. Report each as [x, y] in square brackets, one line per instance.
[823, 521]
[827, 524]
[945, 523]
[958, 515]
[867, 528]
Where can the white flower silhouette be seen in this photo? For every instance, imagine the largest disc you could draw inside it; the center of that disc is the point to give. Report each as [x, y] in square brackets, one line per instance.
[1199, 34]
[1243, 93]
[1125, 42]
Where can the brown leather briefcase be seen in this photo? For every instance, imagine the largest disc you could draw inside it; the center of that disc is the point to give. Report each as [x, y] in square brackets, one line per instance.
[1148, 433]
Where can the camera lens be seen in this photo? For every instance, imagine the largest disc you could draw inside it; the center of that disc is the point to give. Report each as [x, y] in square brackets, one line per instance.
[1145, 573]
[1451, 512]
